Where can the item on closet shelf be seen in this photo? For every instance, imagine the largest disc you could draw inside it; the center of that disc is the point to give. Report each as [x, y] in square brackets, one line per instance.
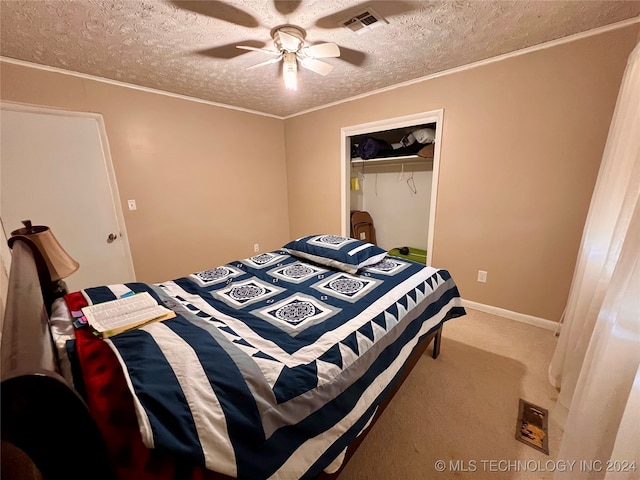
[401, 151]
[421, 135]
[408, 140]
[426, 152]
[369, 147]
[354, 150]
[425, 135]
[362, 226]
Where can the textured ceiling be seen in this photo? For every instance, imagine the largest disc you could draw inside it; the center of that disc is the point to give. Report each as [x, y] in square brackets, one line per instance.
[188, 47]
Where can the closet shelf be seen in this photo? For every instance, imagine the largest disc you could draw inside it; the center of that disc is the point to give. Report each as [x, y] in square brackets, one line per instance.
[408, 159]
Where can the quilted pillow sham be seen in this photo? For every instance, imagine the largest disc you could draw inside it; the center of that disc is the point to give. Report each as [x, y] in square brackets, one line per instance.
[342, 253]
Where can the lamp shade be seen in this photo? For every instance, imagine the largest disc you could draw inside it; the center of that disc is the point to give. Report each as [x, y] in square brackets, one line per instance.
[59, 262]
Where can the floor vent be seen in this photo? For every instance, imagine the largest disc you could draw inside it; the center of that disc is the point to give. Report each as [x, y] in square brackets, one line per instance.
[364, 21]
[531, 428]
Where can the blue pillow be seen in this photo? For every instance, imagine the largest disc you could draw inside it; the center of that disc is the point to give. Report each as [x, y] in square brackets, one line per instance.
[346, 254]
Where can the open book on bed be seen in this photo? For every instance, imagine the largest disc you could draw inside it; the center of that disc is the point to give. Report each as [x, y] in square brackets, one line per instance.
[124, 314]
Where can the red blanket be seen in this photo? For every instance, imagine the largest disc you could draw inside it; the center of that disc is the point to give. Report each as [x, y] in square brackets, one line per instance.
[111, 405]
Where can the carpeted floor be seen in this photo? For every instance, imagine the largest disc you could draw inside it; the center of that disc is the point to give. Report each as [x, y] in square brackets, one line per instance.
[462, 408]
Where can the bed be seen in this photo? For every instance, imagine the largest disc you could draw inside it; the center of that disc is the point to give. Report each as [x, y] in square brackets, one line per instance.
[275, 366]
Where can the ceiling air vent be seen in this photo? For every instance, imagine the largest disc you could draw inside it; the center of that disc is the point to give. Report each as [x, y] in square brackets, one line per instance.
[364, 21]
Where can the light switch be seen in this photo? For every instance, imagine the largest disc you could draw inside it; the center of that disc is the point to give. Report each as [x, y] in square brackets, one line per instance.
[132, 205]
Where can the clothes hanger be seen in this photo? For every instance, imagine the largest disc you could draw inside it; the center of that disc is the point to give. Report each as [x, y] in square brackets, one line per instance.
[411, 184]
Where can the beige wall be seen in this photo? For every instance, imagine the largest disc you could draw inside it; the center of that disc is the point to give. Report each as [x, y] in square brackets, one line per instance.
[209, 181]
[386, 194]
[521, 147]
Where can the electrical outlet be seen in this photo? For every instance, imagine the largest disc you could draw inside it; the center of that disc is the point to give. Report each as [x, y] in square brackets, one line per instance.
[256, 247]
[482, 276]
[132, 205]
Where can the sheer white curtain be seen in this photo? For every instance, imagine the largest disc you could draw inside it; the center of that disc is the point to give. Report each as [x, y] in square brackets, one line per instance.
[596, 363]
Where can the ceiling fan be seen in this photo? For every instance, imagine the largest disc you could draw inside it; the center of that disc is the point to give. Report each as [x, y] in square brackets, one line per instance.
[290, 48]
[289, 40]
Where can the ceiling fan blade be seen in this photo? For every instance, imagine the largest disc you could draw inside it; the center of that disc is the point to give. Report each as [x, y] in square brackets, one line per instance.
[289, 42]
[271, 60]
[219, 10]
[228, 51]
[316, 66]
[354, 57]
[286, 7]
[322, 50]
[255, 49]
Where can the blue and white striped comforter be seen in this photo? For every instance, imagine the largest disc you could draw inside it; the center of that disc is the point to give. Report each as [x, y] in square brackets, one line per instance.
[274, 365]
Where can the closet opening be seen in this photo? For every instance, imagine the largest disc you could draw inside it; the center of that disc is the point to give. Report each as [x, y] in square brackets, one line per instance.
[390, 170]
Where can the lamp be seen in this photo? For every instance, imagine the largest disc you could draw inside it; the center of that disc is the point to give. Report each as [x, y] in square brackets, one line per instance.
[290, 70]
[59, 262]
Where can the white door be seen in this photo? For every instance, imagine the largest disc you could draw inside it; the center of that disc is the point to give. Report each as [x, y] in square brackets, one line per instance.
[56, 171]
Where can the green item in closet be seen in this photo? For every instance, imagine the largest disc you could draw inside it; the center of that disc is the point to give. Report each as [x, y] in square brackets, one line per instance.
[414, 254]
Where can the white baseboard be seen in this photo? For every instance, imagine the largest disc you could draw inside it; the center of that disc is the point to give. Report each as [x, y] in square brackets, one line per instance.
[518, 317]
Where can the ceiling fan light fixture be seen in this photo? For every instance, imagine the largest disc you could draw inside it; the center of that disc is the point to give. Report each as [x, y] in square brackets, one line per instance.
[288, 41]
[288, 38]
[290, 70]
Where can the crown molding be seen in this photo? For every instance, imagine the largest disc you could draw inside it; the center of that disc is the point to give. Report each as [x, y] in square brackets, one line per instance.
[118, 83]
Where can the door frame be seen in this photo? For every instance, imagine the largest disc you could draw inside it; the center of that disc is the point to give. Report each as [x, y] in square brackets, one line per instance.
[432, 116]
[106, 155]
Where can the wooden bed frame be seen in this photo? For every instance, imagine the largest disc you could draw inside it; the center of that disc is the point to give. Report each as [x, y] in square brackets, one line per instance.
[47, 429]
